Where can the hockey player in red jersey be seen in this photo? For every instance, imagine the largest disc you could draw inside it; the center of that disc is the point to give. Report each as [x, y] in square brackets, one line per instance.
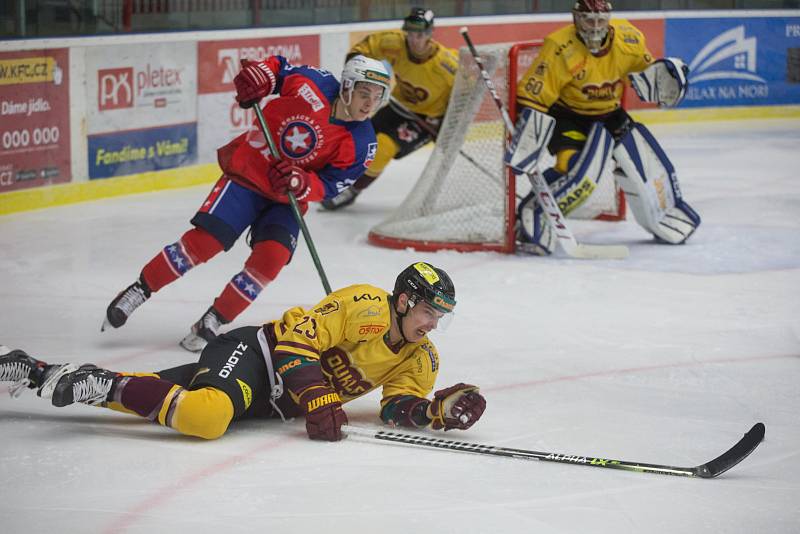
[570, 103]
[326, 141]
[308, 363]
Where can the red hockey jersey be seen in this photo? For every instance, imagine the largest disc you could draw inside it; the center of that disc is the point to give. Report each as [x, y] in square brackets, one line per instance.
[299, 115]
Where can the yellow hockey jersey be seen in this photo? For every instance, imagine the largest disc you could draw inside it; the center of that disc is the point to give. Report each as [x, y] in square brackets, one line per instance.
[564, 72]
[422, 86]
[345, 333]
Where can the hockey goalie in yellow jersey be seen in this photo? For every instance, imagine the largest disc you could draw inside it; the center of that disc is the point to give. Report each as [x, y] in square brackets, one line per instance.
[424, 73]
[308, 363]
[570, 103]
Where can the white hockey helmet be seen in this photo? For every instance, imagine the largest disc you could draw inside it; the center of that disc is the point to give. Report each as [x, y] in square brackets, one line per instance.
[364, 69]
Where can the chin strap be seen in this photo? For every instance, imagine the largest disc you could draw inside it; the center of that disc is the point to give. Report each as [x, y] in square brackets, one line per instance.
[400, 317]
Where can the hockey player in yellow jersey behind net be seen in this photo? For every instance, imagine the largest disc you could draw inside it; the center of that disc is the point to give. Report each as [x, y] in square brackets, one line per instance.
[308, 363]
[570, 103]
[424, 73]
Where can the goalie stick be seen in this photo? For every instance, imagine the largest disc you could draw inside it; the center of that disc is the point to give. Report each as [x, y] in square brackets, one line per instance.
[549, 205]
[710, 469]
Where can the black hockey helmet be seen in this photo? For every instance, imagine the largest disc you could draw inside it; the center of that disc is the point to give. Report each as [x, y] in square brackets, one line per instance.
[424, 282]
[419, 20]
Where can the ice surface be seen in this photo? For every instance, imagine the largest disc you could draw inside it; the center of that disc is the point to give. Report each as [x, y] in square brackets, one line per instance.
[666, 357]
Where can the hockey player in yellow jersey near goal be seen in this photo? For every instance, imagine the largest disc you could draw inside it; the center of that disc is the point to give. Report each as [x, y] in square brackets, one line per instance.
[424, 73]
[306, 364]
[570, 103]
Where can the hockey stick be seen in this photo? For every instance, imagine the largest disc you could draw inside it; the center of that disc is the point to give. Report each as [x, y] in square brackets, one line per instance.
[549, 205]
[293, 201]
[434, 134]
[710, 469]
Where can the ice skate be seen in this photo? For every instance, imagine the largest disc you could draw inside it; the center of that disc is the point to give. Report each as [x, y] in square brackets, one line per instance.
[123, 304]
[88, 384]
[345, 198]
[203, 331]
[27, 372]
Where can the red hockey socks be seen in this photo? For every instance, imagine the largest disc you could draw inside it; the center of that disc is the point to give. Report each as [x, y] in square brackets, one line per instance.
[193, 248]
[265, 262]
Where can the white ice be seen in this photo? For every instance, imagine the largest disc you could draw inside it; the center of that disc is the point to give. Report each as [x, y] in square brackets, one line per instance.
[667, 357]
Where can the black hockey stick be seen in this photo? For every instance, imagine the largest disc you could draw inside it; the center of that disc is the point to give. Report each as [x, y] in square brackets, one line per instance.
[711, 469]
[545, 197]
[293, 202]
[434, 134]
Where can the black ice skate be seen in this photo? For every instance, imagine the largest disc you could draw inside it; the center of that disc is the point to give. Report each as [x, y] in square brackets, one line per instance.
[88, 384]
[345, 198]
[27, 372]
[203, 331]
[123, 304]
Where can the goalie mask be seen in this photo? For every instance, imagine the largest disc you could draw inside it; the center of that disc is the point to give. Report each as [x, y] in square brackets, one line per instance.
[591, 18]
[367, 70]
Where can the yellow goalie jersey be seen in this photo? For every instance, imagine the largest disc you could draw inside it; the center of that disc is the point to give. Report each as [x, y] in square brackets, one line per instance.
[345, 334]
[566, 73]
[423, 86]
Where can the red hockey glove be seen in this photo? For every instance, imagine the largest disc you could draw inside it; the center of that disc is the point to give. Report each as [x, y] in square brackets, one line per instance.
[458, 406]
[286, 177]
[325, 416]
[254, 82]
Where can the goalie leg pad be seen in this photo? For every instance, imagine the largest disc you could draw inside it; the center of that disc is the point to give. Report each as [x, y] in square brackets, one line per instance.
[533, 131]
[534, 233]
[651, 187]
[585, 170]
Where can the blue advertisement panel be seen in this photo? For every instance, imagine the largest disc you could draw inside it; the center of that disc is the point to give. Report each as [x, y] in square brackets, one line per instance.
[738, 62]
[134, 151]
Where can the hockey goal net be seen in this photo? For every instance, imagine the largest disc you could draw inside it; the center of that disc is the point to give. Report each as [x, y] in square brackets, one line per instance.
[465, 199]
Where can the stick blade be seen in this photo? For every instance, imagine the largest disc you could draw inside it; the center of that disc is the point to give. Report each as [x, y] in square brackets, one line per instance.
[734, 455]
[594, 252]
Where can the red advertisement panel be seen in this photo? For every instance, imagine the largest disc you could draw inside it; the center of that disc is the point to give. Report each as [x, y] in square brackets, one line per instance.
[34, 118]
[218, 61]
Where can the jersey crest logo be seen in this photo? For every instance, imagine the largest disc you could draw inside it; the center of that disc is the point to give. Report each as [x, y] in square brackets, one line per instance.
[344, 375]
[298, 139]
[410, 93]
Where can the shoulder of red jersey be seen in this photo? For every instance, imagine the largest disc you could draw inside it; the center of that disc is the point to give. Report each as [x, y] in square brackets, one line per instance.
[292, 78]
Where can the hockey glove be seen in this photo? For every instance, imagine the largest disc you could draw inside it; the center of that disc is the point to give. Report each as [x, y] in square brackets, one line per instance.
[285, 177]
[254, 82]
[325, 416]
[458, 406]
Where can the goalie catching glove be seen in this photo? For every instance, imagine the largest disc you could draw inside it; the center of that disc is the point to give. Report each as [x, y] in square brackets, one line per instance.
[458, 406]
[663, 83]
